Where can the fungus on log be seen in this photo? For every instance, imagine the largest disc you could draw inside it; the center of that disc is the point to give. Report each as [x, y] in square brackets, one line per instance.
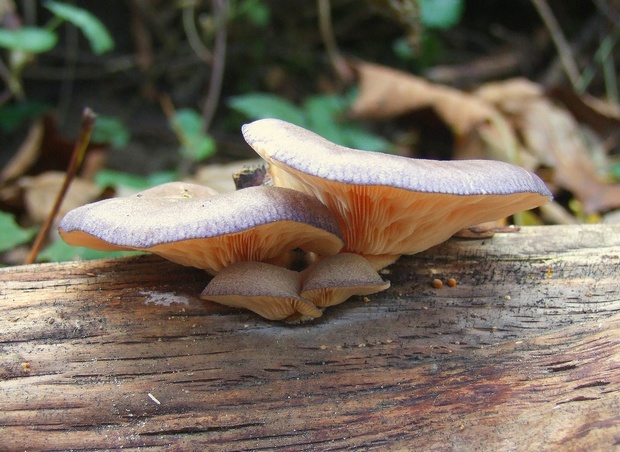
[389, 205]
[206, 231]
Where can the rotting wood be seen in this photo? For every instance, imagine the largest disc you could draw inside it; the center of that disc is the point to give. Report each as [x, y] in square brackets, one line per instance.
[523, 353]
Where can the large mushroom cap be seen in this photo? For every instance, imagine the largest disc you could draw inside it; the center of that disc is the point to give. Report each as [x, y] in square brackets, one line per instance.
[209, 232]
[336, 278]
[390, 205]
[270, 291]
[179, 190]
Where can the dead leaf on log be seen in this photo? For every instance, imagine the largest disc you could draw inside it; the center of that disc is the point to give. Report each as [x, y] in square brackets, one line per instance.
[557, 140]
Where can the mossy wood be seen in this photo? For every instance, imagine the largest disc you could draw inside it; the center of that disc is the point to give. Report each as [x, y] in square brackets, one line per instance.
[523, 354]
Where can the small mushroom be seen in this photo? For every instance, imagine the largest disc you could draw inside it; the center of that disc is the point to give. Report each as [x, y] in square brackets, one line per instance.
[205, 231]
[389, 205]
[336, 278]
[271, 292]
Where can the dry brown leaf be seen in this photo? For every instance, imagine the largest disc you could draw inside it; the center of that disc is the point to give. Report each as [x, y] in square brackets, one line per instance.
[509, 95]
[555, 136]
[26, 155]
[386, 93]
[601, 116]
[480, 130]
[487, 124]
[40, 193]
[557, 140]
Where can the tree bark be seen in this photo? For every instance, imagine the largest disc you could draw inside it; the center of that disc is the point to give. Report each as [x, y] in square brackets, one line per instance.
[521, 354]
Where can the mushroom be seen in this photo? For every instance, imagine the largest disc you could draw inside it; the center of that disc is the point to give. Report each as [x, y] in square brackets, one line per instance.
[209, 232]
[270, 291]
[336, 278]
[389, 205]
[183, 190]
[277, 293]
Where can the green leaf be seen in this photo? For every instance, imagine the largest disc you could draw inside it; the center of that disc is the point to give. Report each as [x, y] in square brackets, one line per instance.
[28, 39]
[97, 34]
[195, 145]
[358, 138]
[59, 251]
[110, 178]
[440, 13]
[262, 105]
[11, 234]
[403, 50]
[615, 171]
[199, 148]
[12, 116]
[256, 11]
[109, 129]
[322, 114]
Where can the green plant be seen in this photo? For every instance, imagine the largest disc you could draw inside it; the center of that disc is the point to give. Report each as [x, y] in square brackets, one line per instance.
[24, 42]
[11, 234]
[430, 15]
[59, 251]
[254, 11]
[110, 129]
[321, 114]
[440, 13]
[196, 145]
[111, 178]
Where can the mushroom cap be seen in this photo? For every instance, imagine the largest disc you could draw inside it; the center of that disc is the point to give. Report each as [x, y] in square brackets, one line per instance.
[270, 291]
[209, 232]
[183, 190]
[334, 279]
[389, 205]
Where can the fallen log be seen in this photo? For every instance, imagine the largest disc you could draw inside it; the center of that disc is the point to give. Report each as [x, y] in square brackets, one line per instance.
[521, 354]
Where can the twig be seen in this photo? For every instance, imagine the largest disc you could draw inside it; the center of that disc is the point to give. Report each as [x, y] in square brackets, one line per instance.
[79, 150]
[327, 33]
[602, 54]
[610, 13]
[189, 25]
[220, 7]
[611, 80]
[563, 48]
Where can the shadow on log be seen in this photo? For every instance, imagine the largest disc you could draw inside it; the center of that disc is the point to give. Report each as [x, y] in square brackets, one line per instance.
[522, 353]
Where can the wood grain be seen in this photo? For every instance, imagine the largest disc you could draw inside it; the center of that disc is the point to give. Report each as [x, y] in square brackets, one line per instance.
[524, 353]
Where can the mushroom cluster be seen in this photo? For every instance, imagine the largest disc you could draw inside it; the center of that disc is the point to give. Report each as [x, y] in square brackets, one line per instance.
[352, 212]
[277, 293]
